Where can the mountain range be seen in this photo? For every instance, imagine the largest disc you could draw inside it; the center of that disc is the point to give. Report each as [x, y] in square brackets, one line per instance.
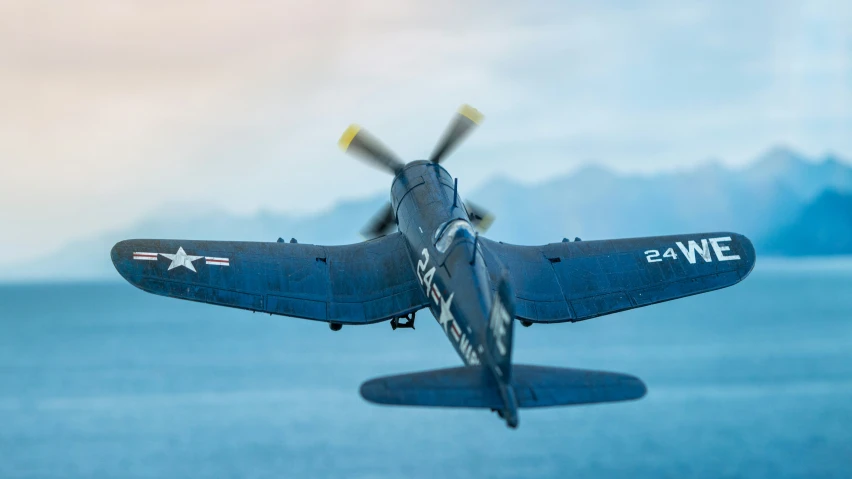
[790, 205]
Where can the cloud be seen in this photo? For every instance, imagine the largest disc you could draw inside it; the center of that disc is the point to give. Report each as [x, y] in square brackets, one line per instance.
[112, 109]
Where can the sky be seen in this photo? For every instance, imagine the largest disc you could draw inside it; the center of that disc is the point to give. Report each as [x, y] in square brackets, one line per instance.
[112, 111]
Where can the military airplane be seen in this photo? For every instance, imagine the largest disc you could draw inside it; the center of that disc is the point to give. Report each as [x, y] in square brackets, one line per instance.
[425, 251]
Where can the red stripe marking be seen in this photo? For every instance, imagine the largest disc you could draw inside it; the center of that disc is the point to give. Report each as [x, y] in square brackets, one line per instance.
[146, 255]
[455, 329]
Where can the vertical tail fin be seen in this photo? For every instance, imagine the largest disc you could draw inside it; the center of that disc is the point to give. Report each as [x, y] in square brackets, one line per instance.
[500, 329]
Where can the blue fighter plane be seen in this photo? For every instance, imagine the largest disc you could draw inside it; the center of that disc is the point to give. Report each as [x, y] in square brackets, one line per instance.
[426, 251]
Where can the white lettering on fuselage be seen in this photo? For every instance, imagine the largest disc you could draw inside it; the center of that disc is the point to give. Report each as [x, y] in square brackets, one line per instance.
[693, 250]
[499, 321]
[446, 319]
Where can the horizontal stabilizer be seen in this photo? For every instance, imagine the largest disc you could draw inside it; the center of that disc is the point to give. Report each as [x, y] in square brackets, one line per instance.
[475, 387]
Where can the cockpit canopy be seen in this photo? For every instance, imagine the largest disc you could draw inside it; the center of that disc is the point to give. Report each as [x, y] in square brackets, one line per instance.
[447, 233]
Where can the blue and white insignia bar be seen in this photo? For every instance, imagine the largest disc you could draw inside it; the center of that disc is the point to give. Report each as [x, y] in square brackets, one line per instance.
[181, 259]
[217, 261]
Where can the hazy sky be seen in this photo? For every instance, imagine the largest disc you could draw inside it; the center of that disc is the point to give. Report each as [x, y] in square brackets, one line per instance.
[110, 110]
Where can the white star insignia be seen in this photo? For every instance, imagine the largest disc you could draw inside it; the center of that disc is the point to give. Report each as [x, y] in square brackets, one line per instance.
[181, 259]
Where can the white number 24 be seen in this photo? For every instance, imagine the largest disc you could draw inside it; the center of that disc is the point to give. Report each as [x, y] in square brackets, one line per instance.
[653, 256]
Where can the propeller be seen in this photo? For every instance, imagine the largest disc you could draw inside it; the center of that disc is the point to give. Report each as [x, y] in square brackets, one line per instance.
[359, 142]
[480, 218]
[380, 224]
[364, 145]
[465, 120]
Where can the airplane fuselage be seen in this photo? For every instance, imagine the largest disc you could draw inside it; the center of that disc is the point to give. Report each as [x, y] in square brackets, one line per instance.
[452, 273]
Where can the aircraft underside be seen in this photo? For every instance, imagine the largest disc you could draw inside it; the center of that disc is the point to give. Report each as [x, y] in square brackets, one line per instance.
[426, 251]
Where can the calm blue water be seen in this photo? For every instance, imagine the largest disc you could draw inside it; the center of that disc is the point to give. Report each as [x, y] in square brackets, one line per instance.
[102, 380]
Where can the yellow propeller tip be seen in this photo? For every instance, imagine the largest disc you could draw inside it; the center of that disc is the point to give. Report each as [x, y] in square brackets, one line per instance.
[348, 136]
[486, 222]
[471, 114]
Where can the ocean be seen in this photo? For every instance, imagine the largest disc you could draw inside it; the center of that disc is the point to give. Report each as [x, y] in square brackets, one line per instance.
[100, 380]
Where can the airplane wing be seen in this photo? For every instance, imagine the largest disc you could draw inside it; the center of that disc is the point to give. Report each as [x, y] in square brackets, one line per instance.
[353, 284]
[574, 281]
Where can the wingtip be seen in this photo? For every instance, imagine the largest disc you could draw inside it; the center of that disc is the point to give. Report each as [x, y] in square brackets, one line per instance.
[114, 255]
[348, 136]
[121, 255]
[471, 113]
[118, 251]
[749, 251]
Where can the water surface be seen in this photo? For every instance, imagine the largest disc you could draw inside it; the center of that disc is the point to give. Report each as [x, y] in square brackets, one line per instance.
[105, 381]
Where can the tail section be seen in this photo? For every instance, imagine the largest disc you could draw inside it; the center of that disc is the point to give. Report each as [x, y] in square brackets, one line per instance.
[501, 330]
[498, 385]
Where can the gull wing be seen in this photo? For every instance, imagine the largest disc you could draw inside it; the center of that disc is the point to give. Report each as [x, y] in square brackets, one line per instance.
[352, 284]
[574, 281]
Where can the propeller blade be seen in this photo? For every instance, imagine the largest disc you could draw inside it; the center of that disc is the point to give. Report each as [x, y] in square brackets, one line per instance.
[380, 224]
[480, 218]
[464, 121]
[366, 146]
